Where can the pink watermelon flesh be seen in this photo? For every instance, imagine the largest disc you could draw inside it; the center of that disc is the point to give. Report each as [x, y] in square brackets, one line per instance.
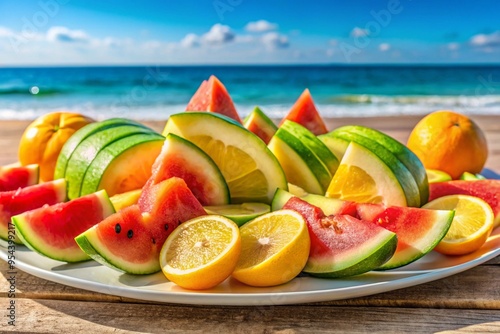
[342, 245]
[418, 230]
[212, 96]
[29, 198]
[51, 230]
[13, 178]
[131, 239]
[203, 178]
[487, 190]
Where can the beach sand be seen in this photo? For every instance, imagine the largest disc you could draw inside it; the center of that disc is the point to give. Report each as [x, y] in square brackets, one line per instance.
[399, 127]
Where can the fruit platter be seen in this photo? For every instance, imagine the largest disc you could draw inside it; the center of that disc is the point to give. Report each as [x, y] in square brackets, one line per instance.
[221, 210]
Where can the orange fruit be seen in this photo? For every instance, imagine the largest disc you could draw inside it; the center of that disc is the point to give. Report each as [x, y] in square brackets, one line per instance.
[450, 142]
[43, 139]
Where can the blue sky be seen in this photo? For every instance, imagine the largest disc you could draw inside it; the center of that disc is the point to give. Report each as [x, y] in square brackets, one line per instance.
[68, 32]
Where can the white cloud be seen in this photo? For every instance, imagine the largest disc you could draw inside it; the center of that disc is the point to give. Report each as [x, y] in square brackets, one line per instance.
[359, 32]
[486, 40]
[190, 41]
[218, 34]
[333, 42]
[384, 47]
[273, 40]
[453, 46]
[260, 26]
[6, 32]
[63, 34]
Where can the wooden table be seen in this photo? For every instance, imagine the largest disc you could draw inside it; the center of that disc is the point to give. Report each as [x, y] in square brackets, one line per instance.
[466, 302]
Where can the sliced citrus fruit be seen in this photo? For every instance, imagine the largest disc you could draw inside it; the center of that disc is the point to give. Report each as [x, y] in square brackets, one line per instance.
[365, 178]
[471, 177]
[201, 253]
[274, 249]
[251, 171]
[471, 226]
[239, 213]
[434, 175]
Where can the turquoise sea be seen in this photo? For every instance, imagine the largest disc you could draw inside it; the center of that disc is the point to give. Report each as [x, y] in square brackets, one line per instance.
[152, 92]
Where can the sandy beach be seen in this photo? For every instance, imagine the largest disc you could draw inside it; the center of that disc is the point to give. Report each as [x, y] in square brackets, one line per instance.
[398, 127]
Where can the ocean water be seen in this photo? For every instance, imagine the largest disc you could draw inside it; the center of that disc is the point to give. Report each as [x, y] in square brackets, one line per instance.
[153, 93]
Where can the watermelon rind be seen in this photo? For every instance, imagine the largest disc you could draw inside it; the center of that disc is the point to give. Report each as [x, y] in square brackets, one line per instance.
[80, 135]
[365, 257]
[260, 124]
[88, 149]
[405, 178]
[36, 242]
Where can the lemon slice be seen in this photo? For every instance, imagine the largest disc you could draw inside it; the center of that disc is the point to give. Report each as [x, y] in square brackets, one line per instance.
[274, 249]
[239, 213]
[201, 253]
[364, 178]
[434, 175]
[471, 225]
[251, 171]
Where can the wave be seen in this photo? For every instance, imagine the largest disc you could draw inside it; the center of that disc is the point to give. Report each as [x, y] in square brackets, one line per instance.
[451, 100]
[31, 91]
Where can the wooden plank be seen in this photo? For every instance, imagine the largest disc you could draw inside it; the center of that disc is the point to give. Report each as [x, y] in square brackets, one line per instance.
[44, 316]
[476, 288]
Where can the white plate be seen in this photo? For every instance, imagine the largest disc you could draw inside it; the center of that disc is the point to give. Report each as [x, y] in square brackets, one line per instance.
[95, 277]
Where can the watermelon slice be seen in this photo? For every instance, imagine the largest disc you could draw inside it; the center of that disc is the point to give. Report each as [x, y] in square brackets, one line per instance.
[51, 230]
[305, 113]
[15, 177]
[131, 239]
[213, 96]
[24, 199]
[260, 124]
[418, 230]
[181, 158]
[342, 245]
[487, 190]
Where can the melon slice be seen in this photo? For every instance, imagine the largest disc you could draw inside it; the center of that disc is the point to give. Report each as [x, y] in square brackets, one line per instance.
[342, 245]
[88, 149]
[51, 230]
[418, 230]
[487, 190]
[212, 96]
[260, 124]
[123, 165]
[131, 239]
[15, 177]
[76, 138]
[18, 201]
[181, 158]
[305, 113]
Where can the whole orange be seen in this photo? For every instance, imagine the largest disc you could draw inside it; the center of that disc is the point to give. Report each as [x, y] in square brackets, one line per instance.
[450, 142]
[43, 139]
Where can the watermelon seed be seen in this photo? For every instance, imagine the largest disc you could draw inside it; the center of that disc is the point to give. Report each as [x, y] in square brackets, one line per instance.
[166, 227]
[118, 228]
[130, 234]
[154, 241]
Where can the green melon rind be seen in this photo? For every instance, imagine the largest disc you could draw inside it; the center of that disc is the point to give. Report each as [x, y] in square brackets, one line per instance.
[89, 149]
[259, 117]
[405, 178]
[231, 211]
[280, 198]
[186, 124]
[336, 145]
[358, 155]
[403, 153]
[443, 220]
[90, 244]
[320, 150]
[86, 131]
[34, 242]
[314, 171]
[206, 166]
[104, 158]
[295, 167]
[366, 257]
